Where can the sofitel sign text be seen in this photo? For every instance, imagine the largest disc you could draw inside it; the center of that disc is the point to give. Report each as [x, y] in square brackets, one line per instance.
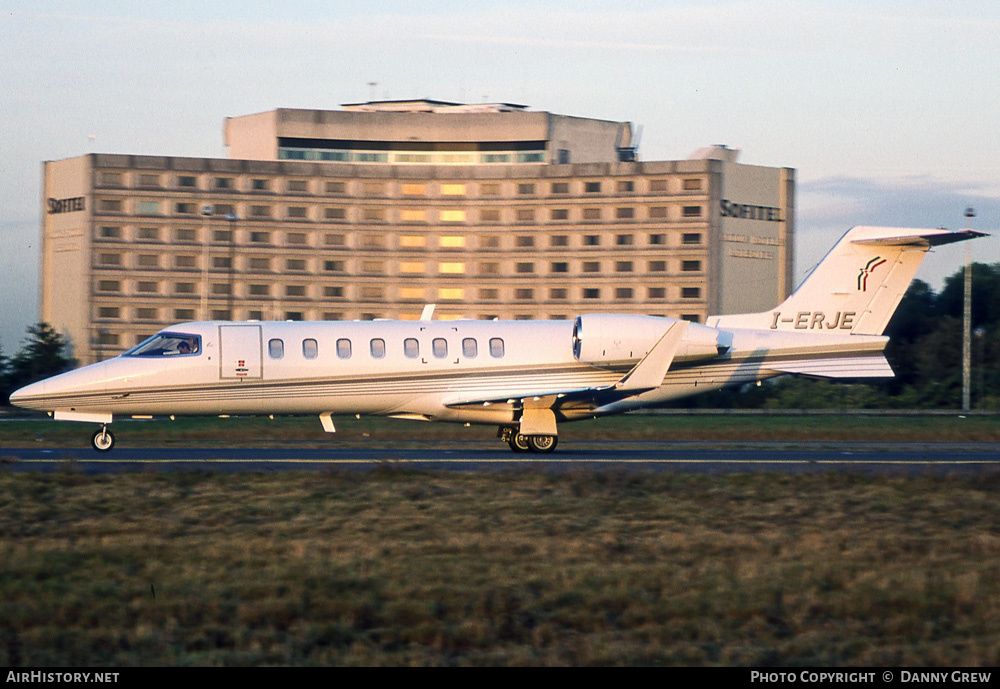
[728, 209]
[66, 205]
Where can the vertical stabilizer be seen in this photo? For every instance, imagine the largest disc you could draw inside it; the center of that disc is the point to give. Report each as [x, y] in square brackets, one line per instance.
[856, 288]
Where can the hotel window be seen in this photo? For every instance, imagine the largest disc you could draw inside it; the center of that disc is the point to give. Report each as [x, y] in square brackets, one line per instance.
[452, 190]
[412, 241]
[412, 267]
[592, 187]
[524, 241]
[692, 184]
[148, 287]
[108, 232]
[414, 189]
[560, 187]
[525, 188]
[692, 211]
[451, 293]
[525, 267]
[260, 237]
[109, 312]
[222, 236]
[591, 240]
[557, 293]
[624, 240]
[109, 259]
[220, 288]
[559, 214]
[187, 181]
[658, 212]
[297, 212]
[452, 242]
[490, 241]
[691, 266]
[591, 213]
[693, 317]
[657, 239]
[657, 292]
[489, 268]
[451, 268]
[372, 293]
[310, 349]
[296, 264]
[184, 314]
[222, 262]
[452, 215]
[623, 266]
[335, 187]
[372, 188]
[373, 241]
[333, 240]
[295, 238]
[560, 267]
[377, 348]
[690, 292]
[260, 211]
[412, 215]
[625, 213]
[148, 234]
[260, 184]
[333, 292]
[691, 238]
[372, 267]
[333, 266]
[260, 264]
[623, 293]
[658, 185]
[489, 293]
[626, 186]
[657, 266]
[373, 214]
[147, 314]
[148, 208]
[148, 261]
[524, 293]
[184, 235]
[334, 214]
[298, 186]
[223, 182]
[109, 206]
[260, 290]
[183, 288]
[591, 293]
[185, 262]
[591, 266]
[289, 316]
[184, 208]
[109, 286]
[525, 215]
[146, 180]
[489, 189]
[489, 215]
[559, 240]
[411, 293]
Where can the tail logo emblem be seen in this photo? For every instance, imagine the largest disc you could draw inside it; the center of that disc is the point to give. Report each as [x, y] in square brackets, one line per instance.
[868, 270]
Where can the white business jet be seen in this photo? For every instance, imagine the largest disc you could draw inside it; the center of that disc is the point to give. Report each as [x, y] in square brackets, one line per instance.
[524, 376]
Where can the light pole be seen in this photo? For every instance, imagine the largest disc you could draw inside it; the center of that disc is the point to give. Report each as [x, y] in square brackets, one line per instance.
[967, 320]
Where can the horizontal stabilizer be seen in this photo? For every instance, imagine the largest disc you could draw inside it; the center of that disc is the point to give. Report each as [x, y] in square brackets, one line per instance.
[839, 367]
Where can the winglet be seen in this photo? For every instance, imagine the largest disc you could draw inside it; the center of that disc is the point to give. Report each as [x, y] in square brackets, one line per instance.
[649, 372]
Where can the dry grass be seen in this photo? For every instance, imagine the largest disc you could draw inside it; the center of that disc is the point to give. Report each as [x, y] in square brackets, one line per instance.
[588, 568]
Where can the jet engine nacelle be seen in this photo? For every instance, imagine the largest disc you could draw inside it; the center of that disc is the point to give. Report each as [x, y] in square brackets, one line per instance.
[613, 339]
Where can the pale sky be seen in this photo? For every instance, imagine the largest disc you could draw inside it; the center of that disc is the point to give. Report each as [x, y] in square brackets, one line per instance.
[889, 111]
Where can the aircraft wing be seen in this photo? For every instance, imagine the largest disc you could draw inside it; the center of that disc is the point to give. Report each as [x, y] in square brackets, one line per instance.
[645, 375]
[839, 367]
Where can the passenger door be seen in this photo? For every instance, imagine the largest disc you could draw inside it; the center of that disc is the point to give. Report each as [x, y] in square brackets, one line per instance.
[240, 352]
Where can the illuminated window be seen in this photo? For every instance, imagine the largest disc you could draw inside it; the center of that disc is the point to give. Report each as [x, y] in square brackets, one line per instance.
[452, 242]
[452, 190]
[451, 293]
[411, 292]
[412, 267]
[453, 215]
[414, 189]
[413, 215]
[451, 268]
[412, 241]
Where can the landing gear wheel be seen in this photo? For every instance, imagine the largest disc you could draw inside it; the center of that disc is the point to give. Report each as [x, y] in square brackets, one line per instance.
[102, 440]
[518, 443]
[542, 443]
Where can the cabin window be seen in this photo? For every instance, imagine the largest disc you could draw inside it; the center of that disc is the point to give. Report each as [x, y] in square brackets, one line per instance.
[167, 344]
[276, 348]
[496, 347]
[470, 348]
[440, 347]
[344, 348]
[310, 349]
[378, 348]
[411, 348]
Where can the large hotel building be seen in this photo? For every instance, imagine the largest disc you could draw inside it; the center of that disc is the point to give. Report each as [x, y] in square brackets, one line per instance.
[377, 209]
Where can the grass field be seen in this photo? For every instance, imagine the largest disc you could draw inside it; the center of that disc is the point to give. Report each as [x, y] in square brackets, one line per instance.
[395, 567]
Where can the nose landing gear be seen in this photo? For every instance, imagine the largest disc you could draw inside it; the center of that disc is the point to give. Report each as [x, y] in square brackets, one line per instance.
[102, 440]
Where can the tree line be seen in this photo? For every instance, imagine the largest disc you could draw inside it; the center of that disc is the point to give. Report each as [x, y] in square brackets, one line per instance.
[925, 352]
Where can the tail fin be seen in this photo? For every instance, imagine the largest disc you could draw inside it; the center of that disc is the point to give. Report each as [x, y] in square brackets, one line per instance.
[856, 288]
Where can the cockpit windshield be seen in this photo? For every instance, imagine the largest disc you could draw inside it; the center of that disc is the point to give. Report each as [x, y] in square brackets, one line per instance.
[168, 344]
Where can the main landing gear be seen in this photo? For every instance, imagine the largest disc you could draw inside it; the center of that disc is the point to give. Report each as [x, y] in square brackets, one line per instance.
[527, 443]
[102, 440]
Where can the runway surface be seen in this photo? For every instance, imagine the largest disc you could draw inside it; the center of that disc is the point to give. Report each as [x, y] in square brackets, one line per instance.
[702, 458]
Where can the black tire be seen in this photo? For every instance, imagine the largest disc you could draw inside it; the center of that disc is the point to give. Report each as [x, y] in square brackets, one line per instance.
[543, 443]
[102, 440]
[519, 443]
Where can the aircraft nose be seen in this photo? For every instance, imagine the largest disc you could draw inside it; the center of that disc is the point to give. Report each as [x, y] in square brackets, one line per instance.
[28, 394]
